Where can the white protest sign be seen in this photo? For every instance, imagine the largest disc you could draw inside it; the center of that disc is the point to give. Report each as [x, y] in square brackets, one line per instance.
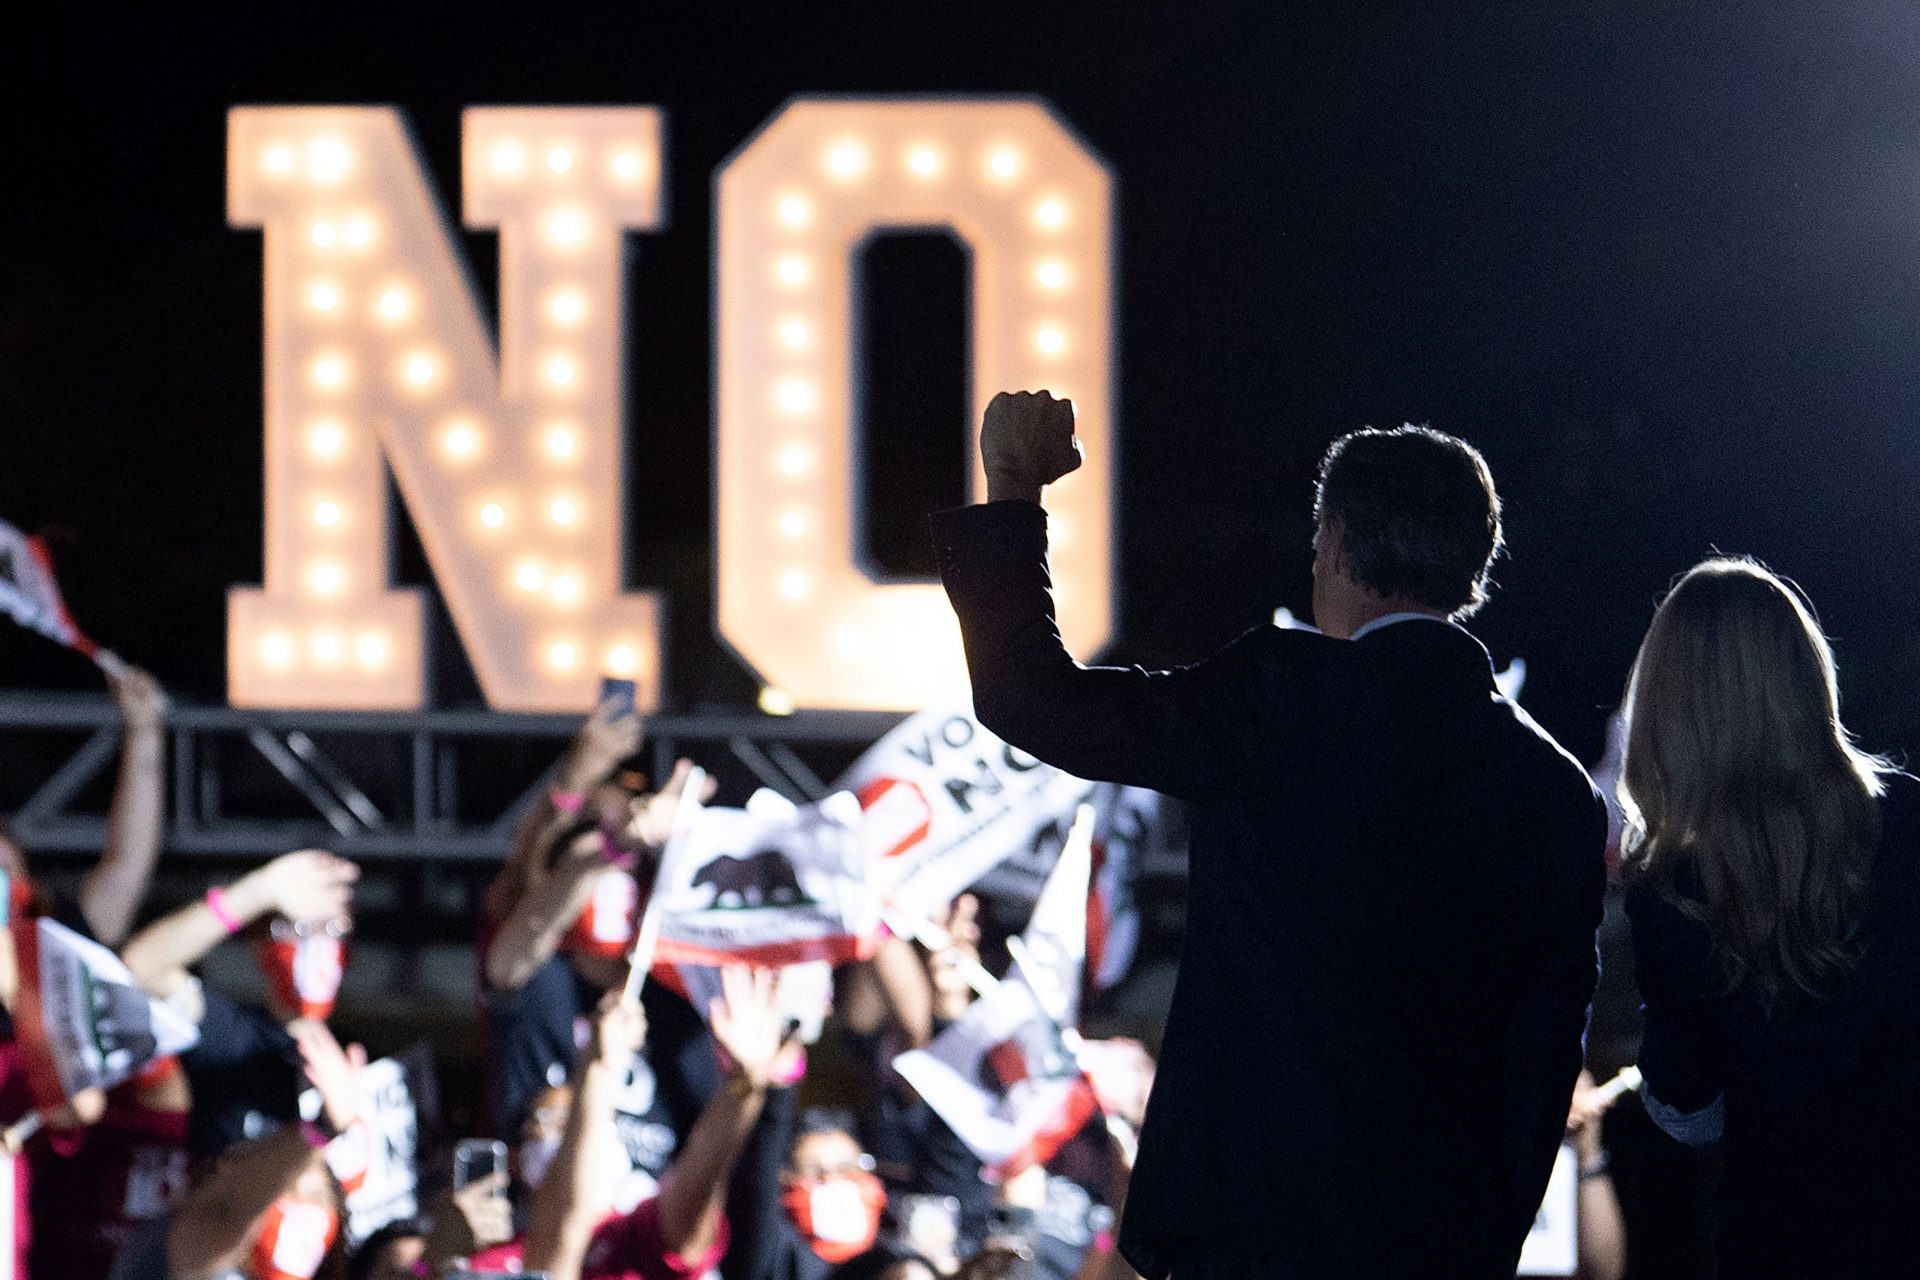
[1553, 1246]
[946, 801]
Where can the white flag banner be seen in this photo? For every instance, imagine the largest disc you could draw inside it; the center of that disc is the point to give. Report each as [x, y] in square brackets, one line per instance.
[30, 595]
[83, 1020]
[1003, 1080]
[1052, 953]
[946, 801]
[771, 884]
[1553, 1246]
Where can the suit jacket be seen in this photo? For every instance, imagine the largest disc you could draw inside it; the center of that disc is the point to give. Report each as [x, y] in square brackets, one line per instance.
[1395, 880]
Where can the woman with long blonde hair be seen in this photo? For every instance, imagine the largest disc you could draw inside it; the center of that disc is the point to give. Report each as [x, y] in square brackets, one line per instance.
[1773, 876]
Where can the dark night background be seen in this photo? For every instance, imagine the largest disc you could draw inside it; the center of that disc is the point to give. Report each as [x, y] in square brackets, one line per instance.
[1657, 260]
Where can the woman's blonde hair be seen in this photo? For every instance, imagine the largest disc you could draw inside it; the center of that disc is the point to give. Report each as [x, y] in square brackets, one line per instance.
[1739, 772]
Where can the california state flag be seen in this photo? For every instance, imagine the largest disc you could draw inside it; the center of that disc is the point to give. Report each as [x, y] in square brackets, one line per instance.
[771, 884]
[1003, 1076]
[81, 1018]
[30, 594]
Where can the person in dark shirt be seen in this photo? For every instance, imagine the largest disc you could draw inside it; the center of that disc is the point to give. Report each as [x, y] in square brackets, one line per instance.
[804, 1198]
[559, 921]
[1395, 874]
[1774, 894]
[245, 1073]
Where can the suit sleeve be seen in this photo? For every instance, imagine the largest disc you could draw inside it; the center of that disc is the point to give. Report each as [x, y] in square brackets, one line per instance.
[1682, 1055]
[1172, 731]
[1545, 1042]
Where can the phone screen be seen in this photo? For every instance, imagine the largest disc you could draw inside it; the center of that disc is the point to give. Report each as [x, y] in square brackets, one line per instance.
[477, 1159]
[620, 694]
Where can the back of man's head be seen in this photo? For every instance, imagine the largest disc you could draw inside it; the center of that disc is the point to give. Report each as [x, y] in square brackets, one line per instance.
[1416, 513]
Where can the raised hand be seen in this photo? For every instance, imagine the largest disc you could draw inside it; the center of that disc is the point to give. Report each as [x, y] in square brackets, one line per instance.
[141, 700]
[609, 736]
[1026, 443]
[333, 1071]
[747, 1023]
[951, 967]
[310, 884]
[653, 815]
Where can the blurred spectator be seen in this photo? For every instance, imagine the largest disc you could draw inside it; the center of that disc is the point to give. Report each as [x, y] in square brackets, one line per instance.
[245, 1072]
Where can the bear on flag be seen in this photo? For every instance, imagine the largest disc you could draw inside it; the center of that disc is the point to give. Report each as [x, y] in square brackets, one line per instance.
[771, 884]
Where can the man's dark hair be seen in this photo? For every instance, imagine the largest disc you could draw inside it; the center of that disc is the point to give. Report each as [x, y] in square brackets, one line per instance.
[1417, 512]
[367, 1256]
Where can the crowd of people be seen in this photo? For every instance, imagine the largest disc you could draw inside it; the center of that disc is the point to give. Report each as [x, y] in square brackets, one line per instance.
[638, 1124]
[642, 1136]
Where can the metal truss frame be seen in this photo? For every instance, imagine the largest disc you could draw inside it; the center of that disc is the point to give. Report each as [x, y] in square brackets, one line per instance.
[429, 822]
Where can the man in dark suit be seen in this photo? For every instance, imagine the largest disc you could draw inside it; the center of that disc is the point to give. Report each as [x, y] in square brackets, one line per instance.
[1395, 880]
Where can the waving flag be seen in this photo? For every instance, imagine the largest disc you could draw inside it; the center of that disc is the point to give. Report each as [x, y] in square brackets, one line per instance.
[946, 801]
[772, 884]
[83, 1020]
[30, 595]
[1003, 1077]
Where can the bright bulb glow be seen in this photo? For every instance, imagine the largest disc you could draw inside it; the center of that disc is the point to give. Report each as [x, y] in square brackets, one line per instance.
[1050, 213]
[793, 524]
[845, 160]
[562, 443]
[394, 304]
[323, 296]
[560, 160]
[279, 160]
[923, 161]
[565, 589]
[328, 159]
[794, 460]
[797, 395]
[566, 307]
[563, 511]
[1003, 163]
[509, 159]
[1050, 340]
[372, 649]
[326, 578]
[329, 372]
[325, 234]
[792, 270]
[529, 576]
[567, 228]
[794, 211]
[276, 650]
[561, 371]
[329, 648]
[794, 585]
[326, 440]
[795, 333]
[493, 515]
[622, 661]
[420, 370]
[776, 702]
[327, 515]
[1051, 275]
[563, 655]
[358, 232]
[461, 441]
[626, 166]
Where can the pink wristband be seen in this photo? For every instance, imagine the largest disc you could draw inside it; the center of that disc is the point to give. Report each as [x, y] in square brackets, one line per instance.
[315, 1136]
[793, 1073]
[217, 904]
[567, 802]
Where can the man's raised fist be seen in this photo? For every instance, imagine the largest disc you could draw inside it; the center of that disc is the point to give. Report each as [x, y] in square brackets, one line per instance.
[1026, 442]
